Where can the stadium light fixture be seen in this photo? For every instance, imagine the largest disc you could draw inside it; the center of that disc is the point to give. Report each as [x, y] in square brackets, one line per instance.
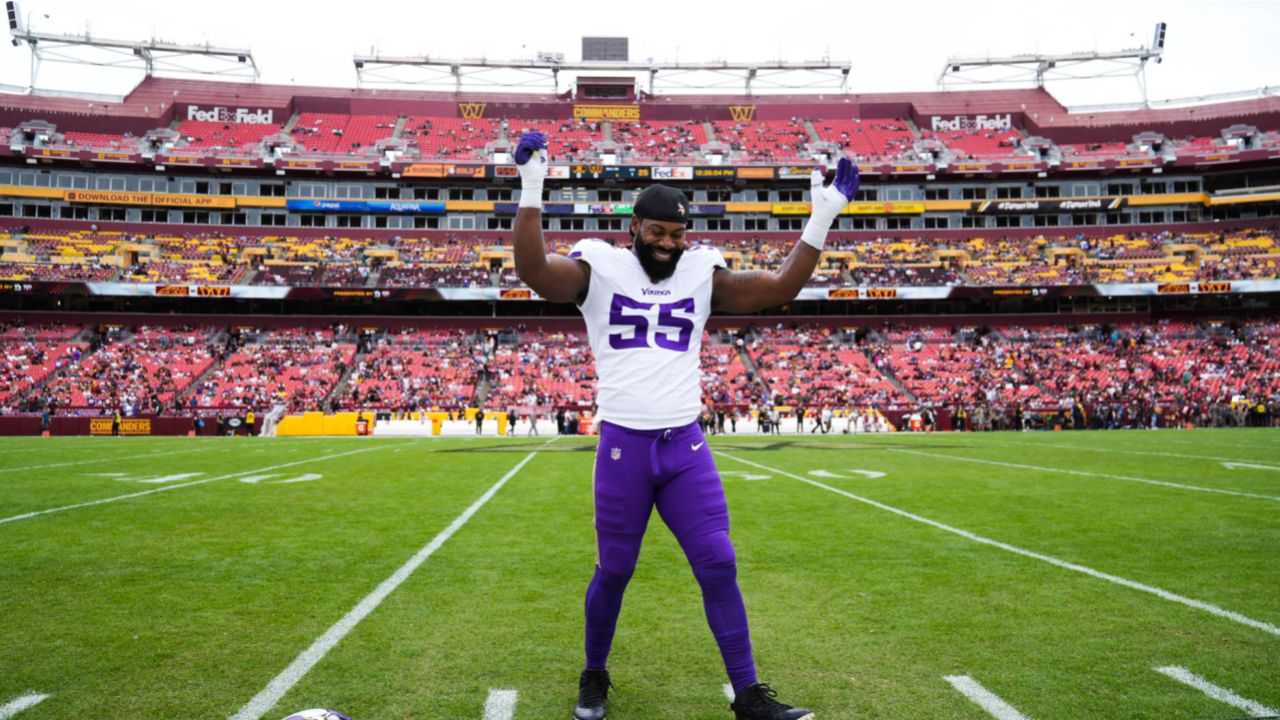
[457, 75]
[1036, 69]
[151, 56]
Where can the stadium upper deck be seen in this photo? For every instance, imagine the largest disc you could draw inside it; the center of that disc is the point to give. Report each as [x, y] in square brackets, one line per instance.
[168, 122]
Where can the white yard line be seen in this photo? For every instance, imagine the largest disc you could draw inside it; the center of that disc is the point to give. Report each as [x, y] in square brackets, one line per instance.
[24, 702]
[1218, 442]
[501, 705]
[1221, 694]
[1031, 445]
[36, 513]
[984, 698]
[112, 458]
[301, 665]
[1134, 585]
[1125, 478]
[728, 691]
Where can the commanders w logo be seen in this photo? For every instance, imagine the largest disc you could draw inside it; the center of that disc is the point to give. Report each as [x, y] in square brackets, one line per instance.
[471, 110]
[742, 113]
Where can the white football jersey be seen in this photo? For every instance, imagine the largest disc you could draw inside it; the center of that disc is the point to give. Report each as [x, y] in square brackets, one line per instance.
[647, 336]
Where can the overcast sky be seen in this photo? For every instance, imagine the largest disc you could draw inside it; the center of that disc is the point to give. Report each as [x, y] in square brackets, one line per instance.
[1212, 47]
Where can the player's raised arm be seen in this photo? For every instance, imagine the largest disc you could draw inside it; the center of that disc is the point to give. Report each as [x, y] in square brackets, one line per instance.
[554, 277]
[750, 291]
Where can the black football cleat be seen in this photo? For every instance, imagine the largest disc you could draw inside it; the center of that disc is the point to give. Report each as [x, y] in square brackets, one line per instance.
[593, 691]
[757, 703]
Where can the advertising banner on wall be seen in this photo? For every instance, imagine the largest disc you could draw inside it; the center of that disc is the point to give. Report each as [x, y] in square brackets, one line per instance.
[1021, 207]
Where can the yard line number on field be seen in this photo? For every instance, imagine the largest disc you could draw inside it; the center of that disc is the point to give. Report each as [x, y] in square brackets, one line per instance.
[36, 513]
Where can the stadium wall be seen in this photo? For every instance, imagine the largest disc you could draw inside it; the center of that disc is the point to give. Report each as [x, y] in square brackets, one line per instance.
[99, 425]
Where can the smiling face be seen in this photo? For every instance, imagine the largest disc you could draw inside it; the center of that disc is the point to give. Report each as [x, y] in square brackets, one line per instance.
[658, 245]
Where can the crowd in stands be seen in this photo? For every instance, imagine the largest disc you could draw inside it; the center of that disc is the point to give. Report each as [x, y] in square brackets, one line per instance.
[31, 353]
[1166, 373]
[543, 370]
[412, 370]
[263, 369]
[142, 372]
[454, 260]
[815, 366]
[432, 276]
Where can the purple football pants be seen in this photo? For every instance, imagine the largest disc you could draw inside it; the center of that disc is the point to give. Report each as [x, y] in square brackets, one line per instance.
[672, 469]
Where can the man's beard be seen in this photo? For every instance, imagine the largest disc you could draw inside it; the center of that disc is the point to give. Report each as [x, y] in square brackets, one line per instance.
[653, 267]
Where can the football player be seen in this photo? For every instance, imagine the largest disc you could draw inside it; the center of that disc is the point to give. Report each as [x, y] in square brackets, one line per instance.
[645, 307]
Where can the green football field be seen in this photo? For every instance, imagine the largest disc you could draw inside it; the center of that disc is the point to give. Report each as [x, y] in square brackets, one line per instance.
[1130, 574]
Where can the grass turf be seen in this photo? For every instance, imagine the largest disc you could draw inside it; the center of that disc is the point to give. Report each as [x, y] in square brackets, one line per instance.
[187, 602]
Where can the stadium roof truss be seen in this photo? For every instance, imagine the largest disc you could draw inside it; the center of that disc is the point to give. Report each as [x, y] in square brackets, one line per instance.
[151, 56]
[478, 74]
[1037, 69]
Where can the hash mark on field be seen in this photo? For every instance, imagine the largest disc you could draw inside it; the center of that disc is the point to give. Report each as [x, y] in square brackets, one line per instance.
[303, 478]
[1251, 466]
[307, 659]
[37, 513]
[25, 702]
[1221, 694]
[164, 478]
[728, 691]
[984, 698]
[1145, 481]
[258, 478]
[872, 474]
[501, 705]
[1134, 585]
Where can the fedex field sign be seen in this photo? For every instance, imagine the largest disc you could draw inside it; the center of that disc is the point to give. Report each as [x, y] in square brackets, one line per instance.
[237, 115]
[937, 123]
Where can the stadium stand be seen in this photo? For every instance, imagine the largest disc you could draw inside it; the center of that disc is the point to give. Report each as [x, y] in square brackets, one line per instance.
[1122, 375]
[1173, 228]
[764, 140]
[868, 140]
[342, 134]
[262, 368]
[416, 370]
[143, 372]
[449, 259]
[571, 140]
[660, 140]
[206, 134]
[449, 137]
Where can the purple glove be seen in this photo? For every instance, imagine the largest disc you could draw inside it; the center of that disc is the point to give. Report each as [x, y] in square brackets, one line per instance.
[846, 178]
[830, 193]
[530, 143]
